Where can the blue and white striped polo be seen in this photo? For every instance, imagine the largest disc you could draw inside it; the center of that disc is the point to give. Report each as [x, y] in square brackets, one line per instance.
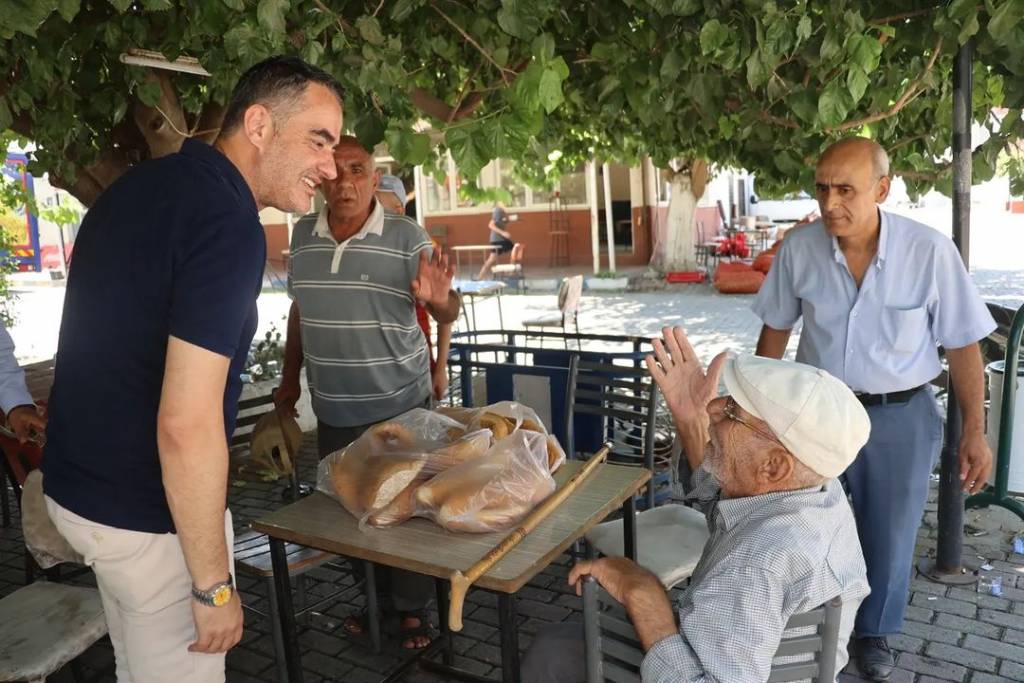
[366, 358]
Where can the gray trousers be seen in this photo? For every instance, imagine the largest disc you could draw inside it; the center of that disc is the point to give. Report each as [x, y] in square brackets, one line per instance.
[402, 591]
[558, 654]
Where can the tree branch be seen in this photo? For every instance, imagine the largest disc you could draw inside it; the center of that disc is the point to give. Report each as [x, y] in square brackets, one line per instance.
[342, 24]
[463, 91]
[912, 91]
[469, 39]
[881, 21]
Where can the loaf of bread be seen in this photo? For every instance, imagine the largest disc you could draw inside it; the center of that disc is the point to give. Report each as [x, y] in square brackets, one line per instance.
[366, 484]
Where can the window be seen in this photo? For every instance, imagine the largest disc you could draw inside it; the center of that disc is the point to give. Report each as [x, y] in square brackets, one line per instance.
[437, 194]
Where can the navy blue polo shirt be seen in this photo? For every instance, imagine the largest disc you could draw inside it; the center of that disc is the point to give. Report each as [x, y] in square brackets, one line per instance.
[173, 247]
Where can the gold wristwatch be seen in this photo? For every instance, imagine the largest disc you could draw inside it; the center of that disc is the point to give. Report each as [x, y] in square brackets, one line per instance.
[218, 595]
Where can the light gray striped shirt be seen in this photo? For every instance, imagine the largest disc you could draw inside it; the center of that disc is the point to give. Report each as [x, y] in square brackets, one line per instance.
[366, 357]
[769, 557]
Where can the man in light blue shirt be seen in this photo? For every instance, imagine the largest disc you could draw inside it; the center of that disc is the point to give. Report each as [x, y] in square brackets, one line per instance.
[17, 404]
[877, 293]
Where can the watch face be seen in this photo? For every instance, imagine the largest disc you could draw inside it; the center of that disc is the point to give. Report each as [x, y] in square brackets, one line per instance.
[221, 596]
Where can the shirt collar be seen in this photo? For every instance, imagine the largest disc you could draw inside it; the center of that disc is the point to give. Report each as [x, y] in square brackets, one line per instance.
[883, 232]
[732, 511]
[374, 224]
[224, 166]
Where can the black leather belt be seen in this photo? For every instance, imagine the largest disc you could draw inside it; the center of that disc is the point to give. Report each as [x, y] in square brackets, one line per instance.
[891, 397]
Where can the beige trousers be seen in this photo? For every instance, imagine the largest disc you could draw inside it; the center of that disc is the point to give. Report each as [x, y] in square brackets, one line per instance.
[147, 598]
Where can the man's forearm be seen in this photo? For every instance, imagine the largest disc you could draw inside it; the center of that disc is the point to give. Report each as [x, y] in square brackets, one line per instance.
[651, 613]
[293, 344]
[693, 437]
[449, 312]
[444, 343]
[194, 463]
[967, 371]
[772, 343]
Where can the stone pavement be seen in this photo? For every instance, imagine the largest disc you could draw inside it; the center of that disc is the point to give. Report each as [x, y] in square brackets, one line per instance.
[951, 634]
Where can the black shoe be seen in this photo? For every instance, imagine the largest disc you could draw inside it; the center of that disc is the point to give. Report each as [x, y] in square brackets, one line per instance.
[874, 658]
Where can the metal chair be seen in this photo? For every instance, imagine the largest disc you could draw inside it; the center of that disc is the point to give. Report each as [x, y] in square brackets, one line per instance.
[569, 294]
[807, 650]
[618, 403]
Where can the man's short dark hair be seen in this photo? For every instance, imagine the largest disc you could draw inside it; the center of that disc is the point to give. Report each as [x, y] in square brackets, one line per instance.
[278, 84]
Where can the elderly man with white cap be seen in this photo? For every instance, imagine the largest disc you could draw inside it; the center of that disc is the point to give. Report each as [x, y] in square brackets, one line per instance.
[783, 539]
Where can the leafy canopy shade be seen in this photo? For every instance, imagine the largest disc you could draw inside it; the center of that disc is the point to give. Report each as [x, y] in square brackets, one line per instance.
[756, 84]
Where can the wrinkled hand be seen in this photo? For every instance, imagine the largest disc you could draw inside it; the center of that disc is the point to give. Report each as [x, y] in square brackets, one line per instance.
[287, 395]
[439, 380]
[218, 629]
[625, 580]
[684, 384]
[975, 461]
[433, 280]
[28, 424]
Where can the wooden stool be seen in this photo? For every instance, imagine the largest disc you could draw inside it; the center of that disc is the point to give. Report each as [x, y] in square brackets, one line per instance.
[44, 626]
[252, 557]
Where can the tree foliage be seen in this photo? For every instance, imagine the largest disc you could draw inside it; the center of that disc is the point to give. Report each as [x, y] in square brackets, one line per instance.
[758, 84]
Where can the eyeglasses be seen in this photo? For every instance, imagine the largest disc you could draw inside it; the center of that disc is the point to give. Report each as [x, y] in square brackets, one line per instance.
[730, 411]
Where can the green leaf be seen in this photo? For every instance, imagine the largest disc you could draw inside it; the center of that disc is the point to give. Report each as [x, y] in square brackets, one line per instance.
[607, 85]
[830, 47]
[857, 81]
[551, 90]
[237, 5]
[507, 137]
[270, 14]
[403, 8]
[543, 47]
[671, 66]
[834, 104]
[726, 126]
[469, 148]
[149, 93]
[685, 8]
[757, 71]
[68, 9]
[312, 51]
[713, 35]
[238, 41]
[157, 5]
[369, 29]
[804, 28]
[407, 146]
[369, 129]
[5, 115]
[804, 105]
[969, 27]
[518, 19]
[1004, 21]
[864, 51]
[121, 5]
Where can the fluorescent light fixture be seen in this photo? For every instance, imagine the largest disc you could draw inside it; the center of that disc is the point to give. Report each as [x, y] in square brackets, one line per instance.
[155, 60]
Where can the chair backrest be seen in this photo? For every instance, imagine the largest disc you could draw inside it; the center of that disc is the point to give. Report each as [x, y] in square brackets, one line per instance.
[250, 410]
[607, 402]
[573, 287]
[613, 650]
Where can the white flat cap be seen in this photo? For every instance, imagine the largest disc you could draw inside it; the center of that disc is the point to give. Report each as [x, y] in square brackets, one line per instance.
[816, 417]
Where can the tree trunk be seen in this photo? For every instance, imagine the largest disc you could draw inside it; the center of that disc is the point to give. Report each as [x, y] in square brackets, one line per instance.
[679, 252]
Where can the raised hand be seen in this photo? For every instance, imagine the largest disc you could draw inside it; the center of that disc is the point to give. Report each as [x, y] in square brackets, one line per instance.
[434, 279]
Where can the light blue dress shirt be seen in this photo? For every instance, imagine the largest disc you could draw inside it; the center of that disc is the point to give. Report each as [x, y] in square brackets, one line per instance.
[13, 392]
[881, 338]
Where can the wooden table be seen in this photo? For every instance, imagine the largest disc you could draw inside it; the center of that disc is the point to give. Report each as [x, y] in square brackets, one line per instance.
[479, 289]
[424, 547]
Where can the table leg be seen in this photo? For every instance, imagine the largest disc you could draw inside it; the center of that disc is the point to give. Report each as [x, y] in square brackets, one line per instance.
[372, 608]
[629, 528]
[447, 651]
[509, 638]
[472, 304]
[283, 589]
[501, 320]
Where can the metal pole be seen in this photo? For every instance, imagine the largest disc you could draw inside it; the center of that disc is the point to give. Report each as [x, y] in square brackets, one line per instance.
[947, 567]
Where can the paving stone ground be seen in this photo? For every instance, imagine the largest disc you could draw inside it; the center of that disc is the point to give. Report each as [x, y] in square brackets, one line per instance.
[950, 633]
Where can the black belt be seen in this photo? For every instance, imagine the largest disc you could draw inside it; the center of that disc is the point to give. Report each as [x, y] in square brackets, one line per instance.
[891, 397]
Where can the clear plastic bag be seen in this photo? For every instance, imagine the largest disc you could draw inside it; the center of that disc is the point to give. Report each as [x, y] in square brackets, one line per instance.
[497, 460]
[491, 493]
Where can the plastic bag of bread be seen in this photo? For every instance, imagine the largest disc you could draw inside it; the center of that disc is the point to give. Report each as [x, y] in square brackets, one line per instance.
[504, 418]
[372, 472]
[493, 492]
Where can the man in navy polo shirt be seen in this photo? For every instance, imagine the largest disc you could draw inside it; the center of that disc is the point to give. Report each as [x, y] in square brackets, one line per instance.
[158, 317]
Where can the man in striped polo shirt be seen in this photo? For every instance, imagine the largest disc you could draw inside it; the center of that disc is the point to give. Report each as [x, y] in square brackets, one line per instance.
[354, 276]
